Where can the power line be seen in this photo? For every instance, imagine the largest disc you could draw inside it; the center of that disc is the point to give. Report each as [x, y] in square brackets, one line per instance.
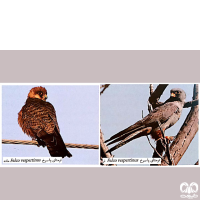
[69, 145]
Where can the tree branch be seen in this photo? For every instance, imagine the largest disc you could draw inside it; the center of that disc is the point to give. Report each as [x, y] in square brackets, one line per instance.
[155, 96]
[103, 146]
[186, 133]
[191, 103]
[155, 150]
[166, 144]
[104, 149]
[197, 163]
[104, 87]
[153, 103]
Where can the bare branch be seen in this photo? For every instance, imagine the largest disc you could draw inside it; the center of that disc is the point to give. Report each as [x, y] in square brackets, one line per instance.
[155, 96]
[186, 133]
[103, 146]
[191, 103]
[104, 87]
[166, 144]
[151, 89]
[104, 149]
[197, 163]
[152, 104]
[155, 150]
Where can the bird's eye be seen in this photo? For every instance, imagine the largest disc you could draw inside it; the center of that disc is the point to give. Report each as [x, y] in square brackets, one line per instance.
[40, 93]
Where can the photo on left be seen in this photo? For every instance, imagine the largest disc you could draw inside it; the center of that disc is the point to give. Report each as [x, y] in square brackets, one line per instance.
[50, 121]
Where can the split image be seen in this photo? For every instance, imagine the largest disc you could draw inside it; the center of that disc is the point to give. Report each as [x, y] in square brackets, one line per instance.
[137, 121]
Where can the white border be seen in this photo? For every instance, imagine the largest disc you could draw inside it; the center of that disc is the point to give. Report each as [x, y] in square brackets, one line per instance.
[65, 165]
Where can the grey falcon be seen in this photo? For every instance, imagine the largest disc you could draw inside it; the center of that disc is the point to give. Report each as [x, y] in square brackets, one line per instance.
[165, 115]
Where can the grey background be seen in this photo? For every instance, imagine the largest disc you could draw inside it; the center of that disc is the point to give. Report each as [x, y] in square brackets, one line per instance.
[98, 66]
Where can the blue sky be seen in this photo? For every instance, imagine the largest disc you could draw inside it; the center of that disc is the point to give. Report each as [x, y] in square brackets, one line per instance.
[121, 105]
[77, 110]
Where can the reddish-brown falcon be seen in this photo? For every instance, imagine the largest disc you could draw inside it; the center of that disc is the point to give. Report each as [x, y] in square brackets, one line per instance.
[37, 119]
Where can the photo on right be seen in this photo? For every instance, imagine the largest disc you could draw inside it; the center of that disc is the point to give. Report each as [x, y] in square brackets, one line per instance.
[149, 124]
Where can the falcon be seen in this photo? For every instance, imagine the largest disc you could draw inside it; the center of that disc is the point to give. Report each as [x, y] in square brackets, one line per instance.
[37, 118]
[161, 118]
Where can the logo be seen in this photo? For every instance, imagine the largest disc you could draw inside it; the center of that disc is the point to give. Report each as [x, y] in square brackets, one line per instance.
[189, 190]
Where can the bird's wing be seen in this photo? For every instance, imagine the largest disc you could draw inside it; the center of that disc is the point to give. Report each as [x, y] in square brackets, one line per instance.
[162, 114]
[52, 114]
[130, 137]
[39, 115]
[122, 134]
[167, 113]
[55, 143]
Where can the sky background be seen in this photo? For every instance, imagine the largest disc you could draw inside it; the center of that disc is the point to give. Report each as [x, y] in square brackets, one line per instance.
[121, 105]
[77, 110]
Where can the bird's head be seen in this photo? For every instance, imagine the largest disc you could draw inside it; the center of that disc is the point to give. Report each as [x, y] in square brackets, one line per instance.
[178, 94]
[38, 92]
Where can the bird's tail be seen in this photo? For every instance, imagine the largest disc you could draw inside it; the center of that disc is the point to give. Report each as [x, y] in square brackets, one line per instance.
[56, 145]
[128, 137]
[125, 133]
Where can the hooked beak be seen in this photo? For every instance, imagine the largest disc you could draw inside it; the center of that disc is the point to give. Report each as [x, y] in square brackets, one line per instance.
[45, 97]
[173, 95]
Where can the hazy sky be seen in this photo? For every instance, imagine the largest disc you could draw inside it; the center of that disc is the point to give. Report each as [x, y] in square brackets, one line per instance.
[121, 105]
[77, 110]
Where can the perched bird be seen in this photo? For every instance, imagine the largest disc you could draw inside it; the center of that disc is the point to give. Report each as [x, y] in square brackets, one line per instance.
[162, 117]
[37, 118]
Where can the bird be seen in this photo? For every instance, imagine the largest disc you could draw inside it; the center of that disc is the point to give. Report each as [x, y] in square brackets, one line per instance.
[37, 118]
[156, 122]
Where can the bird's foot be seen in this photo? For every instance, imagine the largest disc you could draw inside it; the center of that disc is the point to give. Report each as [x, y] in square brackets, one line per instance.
[40, 143]
[169, 139]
